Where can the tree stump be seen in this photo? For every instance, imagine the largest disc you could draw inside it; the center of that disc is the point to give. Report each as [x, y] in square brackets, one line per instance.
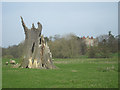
[36, 52]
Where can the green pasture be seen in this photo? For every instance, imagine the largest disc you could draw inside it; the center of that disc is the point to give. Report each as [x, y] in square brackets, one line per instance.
[70, 73]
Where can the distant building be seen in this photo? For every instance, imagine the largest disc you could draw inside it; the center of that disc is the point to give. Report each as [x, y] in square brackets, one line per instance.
[90, 41]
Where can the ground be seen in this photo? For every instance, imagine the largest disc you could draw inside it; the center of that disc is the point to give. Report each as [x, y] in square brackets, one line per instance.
[70, 73]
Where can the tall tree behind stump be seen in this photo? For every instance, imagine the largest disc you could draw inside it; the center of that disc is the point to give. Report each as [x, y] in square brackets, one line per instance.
[36, 52]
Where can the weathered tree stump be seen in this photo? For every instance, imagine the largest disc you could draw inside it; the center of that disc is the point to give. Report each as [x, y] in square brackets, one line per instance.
[36, 52]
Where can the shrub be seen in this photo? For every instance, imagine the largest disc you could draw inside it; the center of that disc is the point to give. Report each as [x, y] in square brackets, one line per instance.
[92, 52]
[8, 56]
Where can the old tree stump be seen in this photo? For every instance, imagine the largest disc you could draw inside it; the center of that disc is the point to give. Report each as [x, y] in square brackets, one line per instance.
[36, 52]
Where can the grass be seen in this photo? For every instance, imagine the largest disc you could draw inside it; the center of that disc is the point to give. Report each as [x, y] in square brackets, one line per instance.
[71, 73]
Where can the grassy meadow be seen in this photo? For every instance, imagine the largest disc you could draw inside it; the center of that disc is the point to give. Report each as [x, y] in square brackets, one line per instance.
[70, 73]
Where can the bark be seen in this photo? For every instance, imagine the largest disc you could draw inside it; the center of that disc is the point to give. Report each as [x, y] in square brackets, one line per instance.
[36, 53]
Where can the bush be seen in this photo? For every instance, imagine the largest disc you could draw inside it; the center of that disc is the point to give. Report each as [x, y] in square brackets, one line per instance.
[98, 52]
[8, 56]
[92, 52]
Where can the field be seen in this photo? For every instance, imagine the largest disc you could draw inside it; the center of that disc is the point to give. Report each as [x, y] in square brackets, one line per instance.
[70, 73]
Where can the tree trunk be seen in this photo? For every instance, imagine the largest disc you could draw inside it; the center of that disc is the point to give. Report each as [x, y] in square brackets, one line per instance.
[36, 53]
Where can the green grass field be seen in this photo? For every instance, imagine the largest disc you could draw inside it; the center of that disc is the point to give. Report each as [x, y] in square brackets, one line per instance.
[71, 73]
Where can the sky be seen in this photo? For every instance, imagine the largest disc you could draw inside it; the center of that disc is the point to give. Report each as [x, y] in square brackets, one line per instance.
[79, 18]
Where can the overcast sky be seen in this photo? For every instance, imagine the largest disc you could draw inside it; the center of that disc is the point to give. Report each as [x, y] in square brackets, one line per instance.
[82, 19]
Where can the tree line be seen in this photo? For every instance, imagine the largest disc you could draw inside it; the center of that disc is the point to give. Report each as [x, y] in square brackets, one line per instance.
[72, 46]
